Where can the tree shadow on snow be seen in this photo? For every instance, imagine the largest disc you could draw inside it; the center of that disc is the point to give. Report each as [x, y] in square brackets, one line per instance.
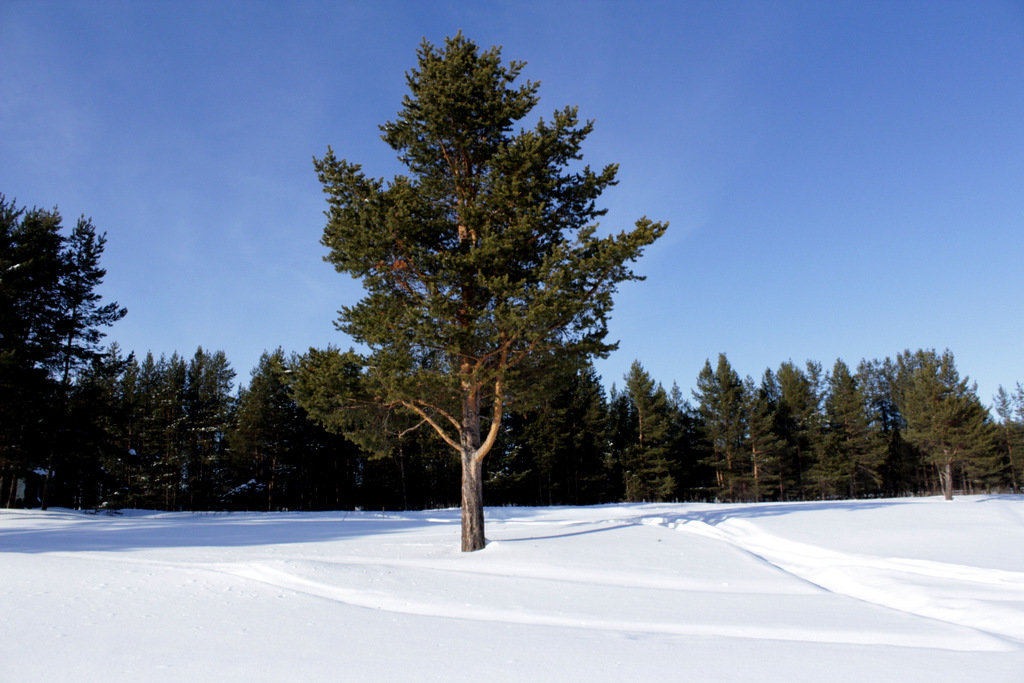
[65, 531]
[761, 510]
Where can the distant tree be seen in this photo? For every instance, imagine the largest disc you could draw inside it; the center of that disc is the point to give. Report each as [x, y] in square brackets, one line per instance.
[646, 466]
[583, 461]
[553, 453]
[720, 402]
[688, 449]
[899, 462]
[268, 431]
[30, 267]
[765, 444]
[83, 314]
[1010, 409]
[98, 469]
[850, 460]
[171, 426]
[482, 267]
[209, 413]
[944, 417]
[800, 421]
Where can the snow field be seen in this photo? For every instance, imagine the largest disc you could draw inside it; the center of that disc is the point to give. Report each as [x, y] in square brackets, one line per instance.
[914, 589]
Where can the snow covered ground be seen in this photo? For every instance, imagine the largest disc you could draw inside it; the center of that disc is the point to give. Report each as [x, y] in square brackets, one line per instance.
[894, 590]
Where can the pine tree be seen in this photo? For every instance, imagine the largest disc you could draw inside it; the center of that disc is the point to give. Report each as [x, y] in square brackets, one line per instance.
[1010, 409]
[267, 433]
[51, 323]
[800, 424]
[944, 417]
[688, 446]
[850, 460]
[209, 412]
[899, 467]
[553, 453]
[83, 315]
[97, 470]
[646, 461]
[482, 267]
[30, 258]
[584, 460]
[766, 446]
[720, 398]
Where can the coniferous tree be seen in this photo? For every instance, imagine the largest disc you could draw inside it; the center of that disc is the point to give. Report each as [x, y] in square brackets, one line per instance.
[850, 460]
[720, 398]
[97, 470]
[267, 433]
[554, 452]
[209, 412]
[136, 396]
[482, 267]
[647, 470]
[162, 438]
[765, 445]
[800, 424]
[584, 477]
[51, 323]
[79, 324]
[30, 258]
[899, 467]
[689, 451]
[944, 417]
[1010, 438]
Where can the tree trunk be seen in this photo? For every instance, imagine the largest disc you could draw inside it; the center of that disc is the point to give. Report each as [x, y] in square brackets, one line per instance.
[472, 504]
[949, 479]
[44, 499]
[472, 475]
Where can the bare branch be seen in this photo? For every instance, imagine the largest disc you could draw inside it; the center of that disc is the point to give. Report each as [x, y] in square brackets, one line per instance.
[437, 428]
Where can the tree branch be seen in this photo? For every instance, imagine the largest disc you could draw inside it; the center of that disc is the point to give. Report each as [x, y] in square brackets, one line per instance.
[437, 428]
[499, 405]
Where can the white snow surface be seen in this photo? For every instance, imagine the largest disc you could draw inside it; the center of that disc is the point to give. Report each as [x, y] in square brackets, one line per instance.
[904, 589]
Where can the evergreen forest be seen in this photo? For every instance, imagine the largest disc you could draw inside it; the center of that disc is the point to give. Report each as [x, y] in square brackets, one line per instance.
[86, 425]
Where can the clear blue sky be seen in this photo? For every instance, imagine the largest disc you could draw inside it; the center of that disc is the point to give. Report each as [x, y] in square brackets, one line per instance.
[843, 179]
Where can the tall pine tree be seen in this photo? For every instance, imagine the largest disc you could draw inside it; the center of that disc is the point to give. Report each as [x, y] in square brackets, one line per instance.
[482, 267]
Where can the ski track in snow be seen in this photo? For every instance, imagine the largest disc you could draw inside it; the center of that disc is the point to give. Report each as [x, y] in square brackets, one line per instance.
[411, 599]
[393, 603]
[989, 600]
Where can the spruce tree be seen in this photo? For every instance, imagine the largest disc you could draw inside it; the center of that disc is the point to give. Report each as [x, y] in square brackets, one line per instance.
[483, 266]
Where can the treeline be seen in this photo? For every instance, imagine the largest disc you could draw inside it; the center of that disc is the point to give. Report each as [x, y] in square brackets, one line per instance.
[908, 425]
[85, 426]
[172, 433]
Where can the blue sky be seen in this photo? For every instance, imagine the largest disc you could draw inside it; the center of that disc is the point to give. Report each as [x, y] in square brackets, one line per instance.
[842, 179]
